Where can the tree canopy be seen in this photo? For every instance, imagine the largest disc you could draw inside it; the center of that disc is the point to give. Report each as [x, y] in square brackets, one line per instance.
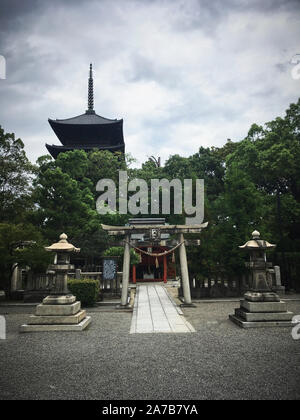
[250, 184]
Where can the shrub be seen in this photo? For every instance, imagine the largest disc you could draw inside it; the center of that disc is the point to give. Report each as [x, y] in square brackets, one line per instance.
[85, 290]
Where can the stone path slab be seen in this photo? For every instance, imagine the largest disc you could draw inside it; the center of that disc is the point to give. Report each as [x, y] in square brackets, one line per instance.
[155, 312]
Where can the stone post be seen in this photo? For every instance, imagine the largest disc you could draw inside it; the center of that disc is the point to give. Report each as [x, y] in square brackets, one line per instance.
[14, 278]
[126, 270]
[184, 272]
[277, 275]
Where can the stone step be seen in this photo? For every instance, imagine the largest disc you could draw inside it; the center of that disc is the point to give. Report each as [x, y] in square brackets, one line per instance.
[263, 316]
[57, 319]
[259, 324]
[59, 300]
[62, 327]
[53, 310]
[264, 306]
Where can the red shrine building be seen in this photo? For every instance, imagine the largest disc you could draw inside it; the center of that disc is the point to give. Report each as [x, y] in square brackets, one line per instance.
[152, 267]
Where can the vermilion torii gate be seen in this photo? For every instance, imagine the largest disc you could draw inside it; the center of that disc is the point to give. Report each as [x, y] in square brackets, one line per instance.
[154, 231]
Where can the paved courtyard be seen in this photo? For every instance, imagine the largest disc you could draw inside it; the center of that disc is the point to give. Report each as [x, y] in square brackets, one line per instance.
[218, 361]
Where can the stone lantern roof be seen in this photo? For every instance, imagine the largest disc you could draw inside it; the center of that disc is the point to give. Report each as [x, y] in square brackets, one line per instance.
[62, 245]
[257, 243]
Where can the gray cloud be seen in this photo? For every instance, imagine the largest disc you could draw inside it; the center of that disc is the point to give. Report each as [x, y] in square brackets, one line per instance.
[182, 73]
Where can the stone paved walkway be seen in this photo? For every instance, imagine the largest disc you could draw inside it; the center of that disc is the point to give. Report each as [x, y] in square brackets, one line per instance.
[155, 312]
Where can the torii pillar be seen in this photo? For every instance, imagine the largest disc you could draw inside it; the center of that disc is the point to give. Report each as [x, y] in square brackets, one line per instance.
[126, 272]
[184, 272]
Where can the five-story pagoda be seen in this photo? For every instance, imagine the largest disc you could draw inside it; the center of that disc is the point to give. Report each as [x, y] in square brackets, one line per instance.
[87, 131]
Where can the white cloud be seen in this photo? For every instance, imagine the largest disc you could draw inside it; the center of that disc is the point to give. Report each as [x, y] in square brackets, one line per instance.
[181, 73]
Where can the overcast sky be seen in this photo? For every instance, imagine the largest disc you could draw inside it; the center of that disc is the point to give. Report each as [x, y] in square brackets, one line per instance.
[181, 73]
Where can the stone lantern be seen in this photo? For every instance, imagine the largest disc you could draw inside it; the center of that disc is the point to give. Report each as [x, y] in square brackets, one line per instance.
[59, 311]
[260, 289]
[261, 306]
[63, 249]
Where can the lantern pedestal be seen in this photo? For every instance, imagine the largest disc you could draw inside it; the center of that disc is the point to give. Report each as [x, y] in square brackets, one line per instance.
[57, 313]
[262, 314]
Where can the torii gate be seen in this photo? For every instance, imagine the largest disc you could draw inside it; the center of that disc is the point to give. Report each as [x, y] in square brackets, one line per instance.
[154, 233]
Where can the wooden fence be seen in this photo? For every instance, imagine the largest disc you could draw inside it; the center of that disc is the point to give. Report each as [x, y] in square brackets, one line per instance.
[290, 268]
[38, 286]
[108, 288]
[218, 285]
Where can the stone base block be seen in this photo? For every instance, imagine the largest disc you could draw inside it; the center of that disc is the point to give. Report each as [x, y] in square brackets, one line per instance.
[280, 290]
[264, 306]
[57, 320]
[59, 300]
[263, 316]
[62, 327]
[127, 308]
[261, 297]
[258, 324]
[55, 310]
[34, 296]
[271, 297]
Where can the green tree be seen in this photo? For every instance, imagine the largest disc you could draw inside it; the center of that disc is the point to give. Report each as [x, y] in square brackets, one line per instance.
[62, 205]
[118, 251]
[22, 245]
[15, 179]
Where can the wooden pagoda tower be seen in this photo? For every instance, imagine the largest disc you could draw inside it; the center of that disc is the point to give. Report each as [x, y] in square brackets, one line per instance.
[87, 131]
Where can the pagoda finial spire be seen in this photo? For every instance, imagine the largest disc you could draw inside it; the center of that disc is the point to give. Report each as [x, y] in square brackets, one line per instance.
[90, 109]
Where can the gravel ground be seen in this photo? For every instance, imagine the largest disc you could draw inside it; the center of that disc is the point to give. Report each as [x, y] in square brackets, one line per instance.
[219, 361]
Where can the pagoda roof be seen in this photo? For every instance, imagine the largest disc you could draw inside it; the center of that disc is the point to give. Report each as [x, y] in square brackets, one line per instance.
[56, 150]
[87, 130]
[87, 118]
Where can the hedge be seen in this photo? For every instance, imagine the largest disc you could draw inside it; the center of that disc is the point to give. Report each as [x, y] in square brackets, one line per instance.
[85, 290]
